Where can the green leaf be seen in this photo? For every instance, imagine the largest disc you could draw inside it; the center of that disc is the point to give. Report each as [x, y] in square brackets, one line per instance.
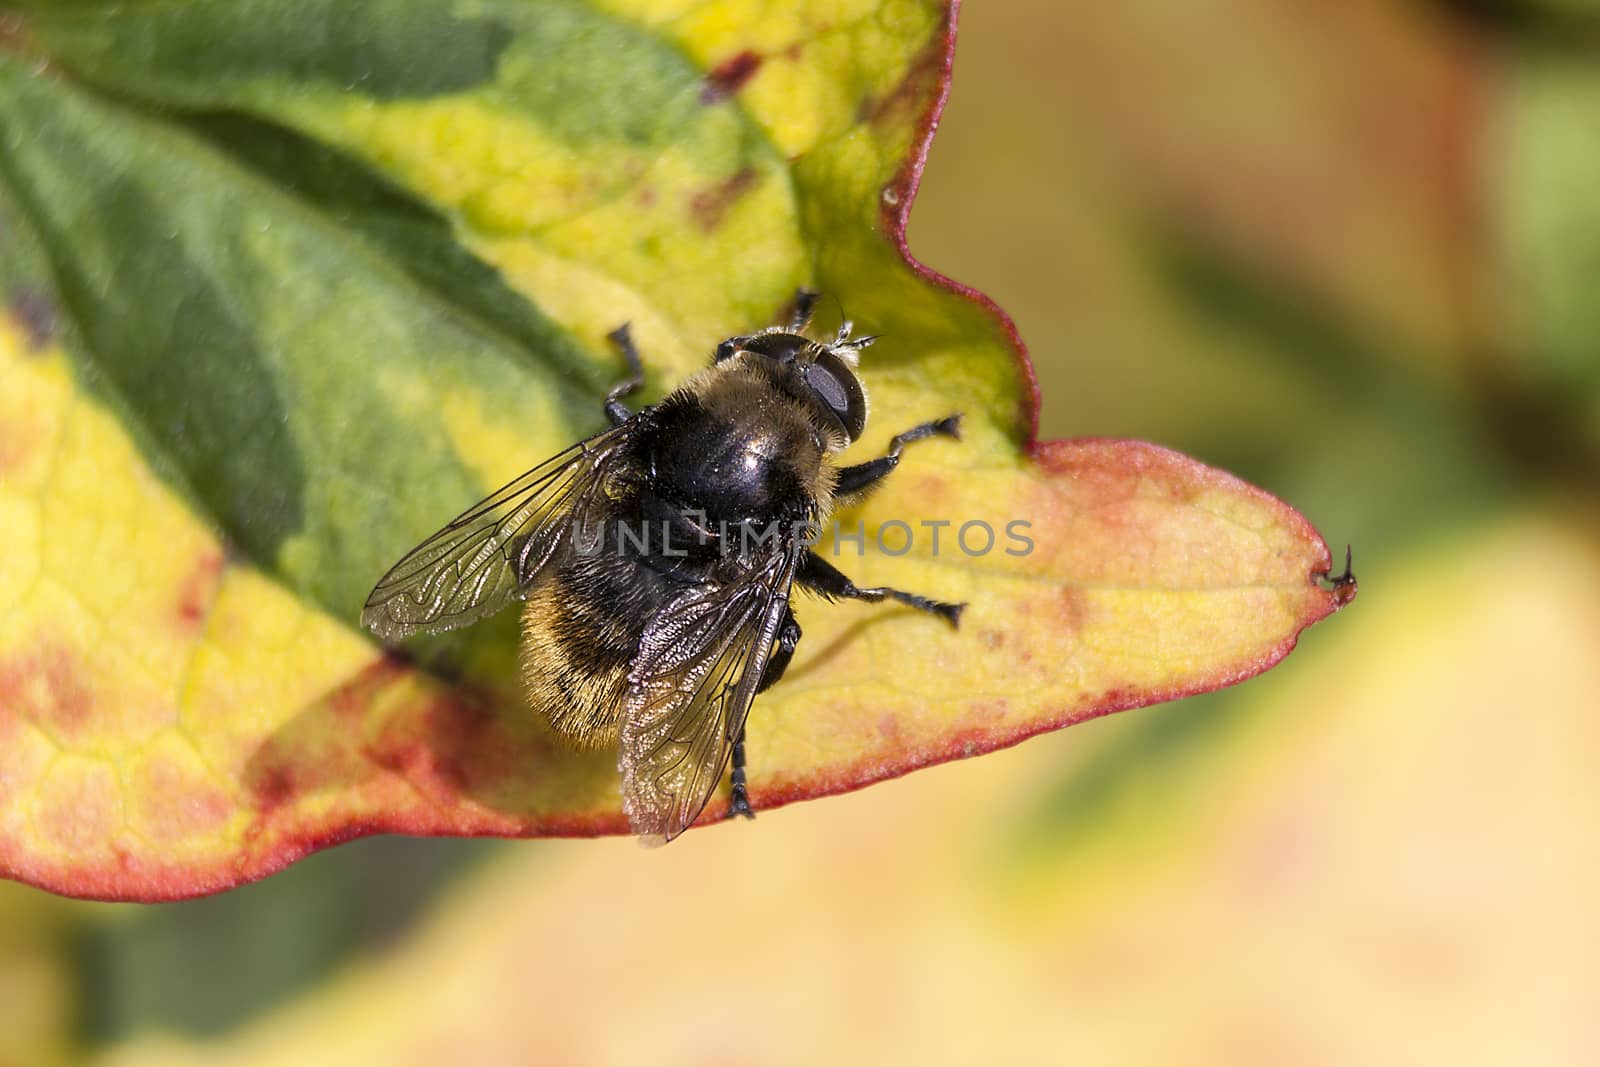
[272, 320]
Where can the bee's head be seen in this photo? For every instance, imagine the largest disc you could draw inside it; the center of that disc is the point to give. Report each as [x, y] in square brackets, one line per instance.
[826, 370]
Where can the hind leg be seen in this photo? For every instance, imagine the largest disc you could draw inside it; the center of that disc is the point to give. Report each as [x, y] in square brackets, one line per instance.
[820, 576]
[788, 638]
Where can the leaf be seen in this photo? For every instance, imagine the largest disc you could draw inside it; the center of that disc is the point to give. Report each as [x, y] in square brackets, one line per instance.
[1371, 844]
[280, 307]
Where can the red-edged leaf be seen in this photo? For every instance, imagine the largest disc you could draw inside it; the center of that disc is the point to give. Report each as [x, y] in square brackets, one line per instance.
[286, 293]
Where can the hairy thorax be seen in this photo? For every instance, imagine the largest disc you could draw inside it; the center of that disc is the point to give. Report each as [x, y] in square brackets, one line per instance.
[739, 452]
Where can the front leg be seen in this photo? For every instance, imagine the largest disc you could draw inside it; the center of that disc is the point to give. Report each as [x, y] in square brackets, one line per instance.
[726, 349]
[820, 576]
[805, 302]
[616, 410]
[862, 475]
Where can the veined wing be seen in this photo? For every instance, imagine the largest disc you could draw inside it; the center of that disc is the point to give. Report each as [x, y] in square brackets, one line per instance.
[690, 690]
[486, 557]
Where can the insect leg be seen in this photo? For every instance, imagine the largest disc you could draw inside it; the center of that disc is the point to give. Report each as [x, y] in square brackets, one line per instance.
[856, 478]
[739, 803]
[616, 410]
[788, 637]
[820, 576]
[805, 302]
[729, 347]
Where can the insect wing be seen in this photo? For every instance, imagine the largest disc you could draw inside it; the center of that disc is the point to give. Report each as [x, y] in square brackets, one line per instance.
[486, 556]
[690, 690]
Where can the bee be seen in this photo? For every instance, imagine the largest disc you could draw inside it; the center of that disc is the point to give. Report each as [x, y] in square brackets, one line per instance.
[655, 560]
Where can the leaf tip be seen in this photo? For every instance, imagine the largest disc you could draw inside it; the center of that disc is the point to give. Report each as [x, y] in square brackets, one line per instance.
[1343, 586]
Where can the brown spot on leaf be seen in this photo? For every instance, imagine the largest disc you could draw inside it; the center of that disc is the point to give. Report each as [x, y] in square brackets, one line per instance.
[729, 76]
[1117, 699]
[1072, 610]
[709, 207]
[273, 786]
[198, 591]
[353, 699]
[310, 755]
[381, 740]
[46, 686]
[903, 104]
[445, 745]
[319, 749]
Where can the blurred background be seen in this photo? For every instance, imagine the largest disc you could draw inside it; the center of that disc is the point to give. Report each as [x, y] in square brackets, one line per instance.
[1350, 252]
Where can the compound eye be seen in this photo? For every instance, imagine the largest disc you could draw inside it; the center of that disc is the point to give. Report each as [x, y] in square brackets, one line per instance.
[783, 347]
[835, 384]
